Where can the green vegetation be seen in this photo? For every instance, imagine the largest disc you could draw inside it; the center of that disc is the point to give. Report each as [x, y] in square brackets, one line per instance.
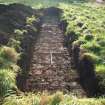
[88, 22]
[7, 82]
[8, 57]
[31, 20]
[10, 53]
[46, 99]
[41, 3]
[8, 70]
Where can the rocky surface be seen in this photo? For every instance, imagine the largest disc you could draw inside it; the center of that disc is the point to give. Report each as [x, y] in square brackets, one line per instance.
[50, 67]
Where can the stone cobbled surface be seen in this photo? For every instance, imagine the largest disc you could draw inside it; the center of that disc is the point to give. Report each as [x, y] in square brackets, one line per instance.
[50, 68]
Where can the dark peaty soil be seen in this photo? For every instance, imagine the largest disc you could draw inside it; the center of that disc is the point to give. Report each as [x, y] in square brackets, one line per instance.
[50, 64]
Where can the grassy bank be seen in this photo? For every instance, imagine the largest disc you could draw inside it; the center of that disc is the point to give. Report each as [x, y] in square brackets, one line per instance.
[41, 3]
[12, 42]
[55, 99]
[87, 22]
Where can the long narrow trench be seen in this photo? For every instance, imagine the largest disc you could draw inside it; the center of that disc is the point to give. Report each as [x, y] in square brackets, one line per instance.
[50, 66]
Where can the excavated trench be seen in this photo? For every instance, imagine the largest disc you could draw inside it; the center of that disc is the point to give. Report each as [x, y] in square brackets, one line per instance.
[53, 63]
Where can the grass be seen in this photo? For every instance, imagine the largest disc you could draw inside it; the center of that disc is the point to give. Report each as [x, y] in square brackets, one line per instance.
[8, 71]
[55, 99]
[86, 21]
[7, 81]
[10, 54]
[41, 3]
[8, 57]
[29, 99]
[88, 24]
